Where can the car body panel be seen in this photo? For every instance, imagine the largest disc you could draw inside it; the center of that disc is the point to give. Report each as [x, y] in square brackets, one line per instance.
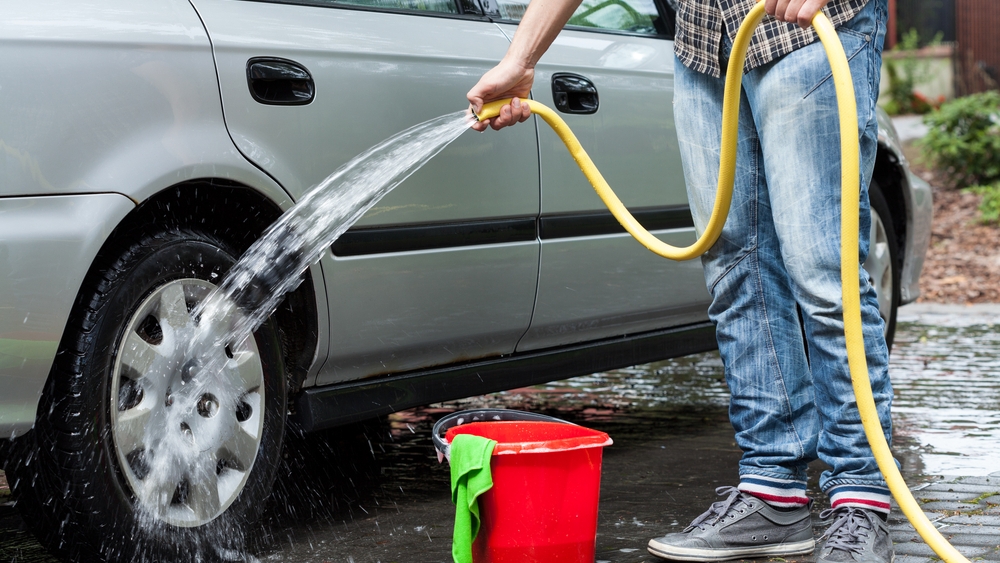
[918, 236]
[601, 286]
[399, 310]
[412, 329]
[113, 103]
[152, 110]
[47, 244]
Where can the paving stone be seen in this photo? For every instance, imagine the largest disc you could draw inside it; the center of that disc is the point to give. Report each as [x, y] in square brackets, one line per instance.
[973, 519]
[973, 529]
[897, 516]
[946, 495]
[949, 506]
[962, 487]
[905, 536]
[978, 540]
[994, 479]
[916, 549]
[924, 550]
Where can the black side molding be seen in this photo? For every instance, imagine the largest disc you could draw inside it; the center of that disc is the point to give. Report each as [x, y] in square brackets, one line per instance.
[326, 407]
[362, 241]
[567, 225]
[407, 238]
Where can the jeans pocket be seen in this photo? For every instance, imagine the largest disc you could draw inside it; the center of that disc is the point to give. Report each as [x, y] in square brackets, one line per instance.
[854, 43]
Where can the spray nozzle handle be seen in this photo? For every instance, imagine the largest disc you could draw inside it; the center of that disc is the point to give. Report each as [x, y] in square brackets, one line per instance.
[492, 109]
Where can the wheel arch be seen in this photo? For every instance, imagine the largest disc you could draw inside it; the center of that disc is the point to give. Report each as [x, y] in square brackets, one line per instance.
[70, 451]
[889, 176]
[239, 214]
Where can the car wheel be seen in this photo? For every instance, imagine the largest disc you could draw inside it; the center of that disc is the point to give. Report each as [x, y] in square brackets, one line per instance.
[882, 264]
[133, 457]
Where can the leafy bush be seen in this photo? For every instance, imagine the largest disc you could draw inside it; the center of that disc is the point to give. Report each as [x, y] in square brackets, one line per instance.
[964, 139]
[989, 208]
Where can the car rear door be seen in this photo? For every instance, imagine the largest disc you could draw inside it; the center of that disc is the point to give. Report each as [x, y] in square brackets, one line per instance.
[610, 74]
[444, 268]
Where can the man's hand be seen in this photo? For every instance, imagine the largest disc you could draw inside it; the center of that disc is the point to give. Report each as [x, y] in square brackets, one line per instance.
[506, 80]
[794, 11]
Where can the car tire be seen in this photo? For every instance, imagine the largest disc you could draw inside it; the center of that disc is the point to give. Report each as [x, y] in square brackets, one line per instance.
[883, 265]
[83, 494]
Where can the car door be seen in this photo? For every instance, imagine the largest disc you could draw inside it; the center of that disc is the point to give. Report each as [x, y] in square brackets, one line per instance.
[442, 269]
[610, 74]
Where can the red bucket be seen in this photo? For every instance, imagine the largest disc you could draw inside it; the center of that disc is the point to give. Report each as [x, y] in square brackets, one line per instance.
[546, 485]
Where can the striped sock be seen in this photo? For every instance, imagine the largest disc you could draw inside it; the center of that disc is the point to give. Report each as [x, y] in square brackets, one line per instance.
[780, 493]
[872, 497]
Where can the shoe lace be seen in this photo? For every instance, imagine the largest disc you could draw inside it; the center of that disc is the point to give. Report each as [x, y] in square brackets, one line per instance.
[849, 531]
[719, 509]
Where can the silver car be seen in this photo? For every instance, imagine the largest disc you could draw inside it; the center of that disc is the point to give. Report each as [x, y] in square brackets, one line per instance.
[146, 144]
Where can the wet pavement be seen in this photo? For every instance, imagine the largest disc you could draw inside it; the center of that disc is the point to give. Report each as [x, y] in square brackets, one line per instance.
[376, 493]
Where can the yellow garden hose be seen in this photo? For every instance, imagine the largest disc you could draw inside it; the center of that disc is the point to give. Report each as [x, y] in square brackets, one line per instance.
[849, 258]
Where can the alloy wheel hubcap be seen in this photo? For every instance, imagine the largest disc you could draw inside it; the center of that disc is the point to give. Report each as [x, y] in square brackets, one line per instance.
[185, 439]
[879, 267]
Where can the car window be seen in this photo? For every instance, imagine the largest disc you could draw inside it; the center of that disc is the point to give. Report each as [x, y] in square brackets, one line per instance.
[437, 6]
[633, 16]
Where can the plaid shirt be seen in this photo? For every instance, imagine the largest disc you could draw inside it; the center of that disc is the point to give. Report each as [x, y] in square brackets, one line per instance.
[700, 24]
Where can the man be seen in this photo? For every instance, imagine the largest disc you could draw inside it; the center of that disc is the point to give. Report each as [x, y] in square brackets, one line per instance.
[774, 274]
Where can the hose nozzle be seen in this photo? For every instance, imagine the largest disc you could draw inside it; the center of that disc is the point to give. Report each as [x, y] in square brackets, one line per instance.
[492, 109]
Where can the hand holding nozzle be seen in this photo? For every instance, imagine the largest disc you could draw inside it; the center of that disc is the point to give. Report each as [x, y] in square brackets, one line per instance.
[506, 80]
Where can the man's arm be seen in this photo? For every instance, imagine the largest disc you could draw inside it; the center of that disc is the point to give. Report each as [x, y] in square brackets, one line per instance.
[542, 21]
[513, 76]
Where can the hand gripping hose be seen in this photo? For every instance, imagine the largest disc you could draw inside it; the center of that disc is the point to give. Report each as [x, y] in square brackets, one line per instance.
[849, 261]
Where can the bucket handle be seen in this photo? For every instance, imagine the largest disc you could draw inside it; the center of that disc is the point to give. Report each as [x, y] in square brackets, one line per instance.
[481, 415]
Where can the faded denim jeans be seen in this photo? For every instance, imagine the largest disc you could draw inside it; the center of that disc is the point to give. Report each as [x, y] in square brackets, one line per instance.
[779, 256]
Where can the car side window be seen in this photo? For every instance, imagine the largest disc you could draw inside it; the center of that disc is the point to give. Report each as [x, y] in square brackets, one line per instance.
[631, 16]
[434, 6]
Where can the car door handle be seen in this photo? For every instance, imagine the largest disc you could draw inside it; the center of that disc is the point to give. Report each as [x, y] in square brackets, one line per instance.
[281, 82]
[573, 93]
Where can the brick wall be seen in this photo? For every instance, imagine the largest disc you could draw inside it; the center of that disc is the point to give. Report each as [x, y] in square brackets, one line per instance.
[977, 58]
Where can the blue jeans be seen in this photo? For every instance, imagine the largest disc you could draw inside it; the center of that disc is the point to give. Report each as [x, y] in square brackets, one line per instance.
[791, 395]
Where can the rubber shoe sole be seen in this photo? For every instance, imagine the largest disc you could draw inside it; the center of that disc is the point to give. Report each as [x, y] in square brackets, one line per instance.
[695, 554]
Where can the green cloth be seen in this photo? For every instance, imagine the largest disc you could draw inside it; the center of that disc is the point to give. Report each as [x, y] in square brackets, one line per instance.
[470, 477]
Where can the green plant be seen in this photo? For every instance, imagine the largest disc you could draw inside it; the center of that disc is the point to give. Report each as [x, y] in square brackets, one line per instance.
[963, 141]
[904, 72]
[989, 209]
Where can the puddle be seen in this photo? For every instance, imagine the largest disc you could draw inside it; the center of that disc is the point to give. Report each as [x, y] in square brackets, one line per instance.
[946, 410]
[947, 398]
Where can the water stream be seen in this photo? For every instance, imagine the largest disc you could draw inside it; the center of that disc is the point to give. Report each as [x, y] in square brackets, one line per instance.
[273, 266]
[216, 341]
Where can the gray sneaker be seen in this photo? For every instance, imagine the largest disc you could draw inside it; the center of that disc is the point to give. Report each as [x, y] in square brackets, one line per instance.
[856, 536]
[740, 526]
